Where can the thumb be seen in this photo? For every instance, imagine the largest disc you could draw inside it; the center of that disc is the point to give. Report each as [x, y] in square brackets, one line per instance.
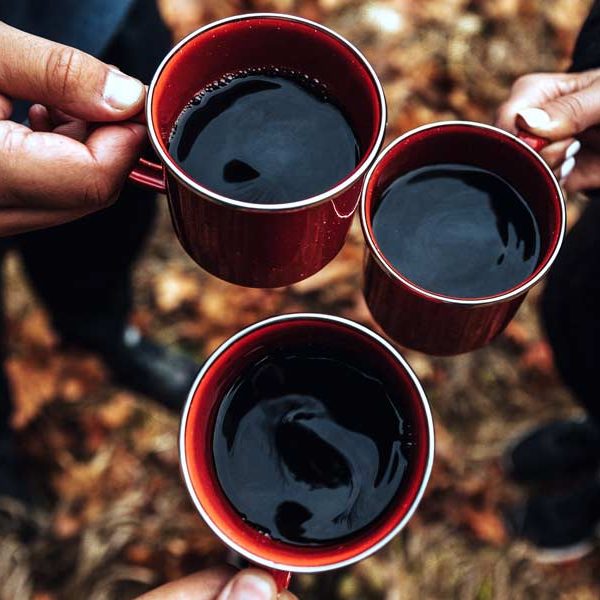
[35, 69]
[567, 115]
[250, 584]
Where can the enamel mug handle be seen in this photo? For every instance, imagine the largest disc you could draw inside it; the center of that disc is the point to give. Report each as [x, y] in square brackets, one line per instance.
[149, 175]
[282, 578]
[536, 142]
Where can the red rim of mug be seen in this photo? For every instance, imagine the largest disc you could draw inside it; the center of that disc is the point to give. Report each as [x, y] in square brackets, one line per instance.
[367, 225]
[397, 520]
[180, 174]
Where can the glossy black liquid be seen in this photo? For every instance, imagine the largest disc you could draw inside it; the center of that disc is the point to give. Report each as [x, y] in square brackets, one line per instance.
[457, 230]
[308, 447]
[264, 138]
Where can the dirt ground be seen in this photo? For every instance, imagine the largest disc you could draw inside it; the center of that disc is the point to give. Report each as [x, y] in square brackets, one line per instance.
[114, 518]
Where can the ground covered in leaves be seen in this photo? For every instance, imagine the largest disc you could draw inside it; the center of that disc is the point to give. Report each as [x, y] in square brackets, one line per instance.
[115, 519]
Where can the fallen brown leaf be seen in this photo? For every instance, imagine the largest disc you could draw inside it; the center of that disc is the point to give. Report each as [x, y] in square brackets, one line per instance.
[66, 525]
[538, 357]
[117, 411]
[33, 386]
[36, 333]
[172, 290]
[517, 333]
[486, 525]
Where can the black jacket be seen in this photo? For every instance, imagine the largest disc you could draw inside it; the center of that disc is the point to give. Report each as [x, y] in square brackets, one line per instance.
[587, 49]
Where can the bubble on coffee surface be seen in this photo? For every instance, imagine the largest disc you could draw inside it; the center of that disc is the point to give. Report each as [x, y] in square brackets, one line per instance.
[315, 85]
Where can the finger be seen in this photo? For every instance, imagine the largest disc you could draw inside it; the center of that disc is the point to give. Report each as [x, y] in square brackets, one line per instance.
[5, 107]
[48, 116]
[567, 115]
[76, 129]
[285, 595]
[35, 69]
[42, 119]
[205, 585]
[585, 174]
[564, 170]
[139, 118]
[530, 90]
[39, 119]
[558, 152]
[250, 584]
[58, 117]
[46, 170]
[116, 149]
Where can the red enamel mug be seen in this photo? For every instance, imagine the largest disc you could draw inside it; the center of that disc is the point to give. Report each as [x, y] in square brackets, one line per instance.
[252, 244]
[434, 323]
[219, 372]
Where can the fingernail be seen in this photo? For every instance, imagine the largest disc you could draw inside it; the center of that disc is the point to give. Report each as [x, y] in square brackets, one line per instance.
[250, 587]
[573, 149]
[121, 91]
[536, 118]
[566, 169]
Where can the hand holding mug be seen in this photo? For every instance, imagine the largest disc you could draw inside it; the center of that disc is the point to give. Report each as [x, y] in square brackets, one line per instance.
[221, 584]
[563, 108]
[60, 168]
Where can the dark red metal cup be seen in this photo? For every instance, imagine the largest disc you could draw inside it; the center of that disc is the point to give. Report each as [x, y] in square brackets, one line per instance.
[251, 244]
[445, 325]
[197, 425]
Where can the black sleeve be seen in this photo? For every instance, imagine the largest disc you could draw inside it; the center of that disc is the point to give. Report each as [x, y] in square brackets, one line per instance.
[587, 49]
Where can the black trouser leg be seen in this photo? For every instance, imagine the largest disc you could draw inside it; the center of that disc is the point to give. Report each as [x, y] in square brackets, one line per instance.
[571, 301]
[571, 309]
[82, 270]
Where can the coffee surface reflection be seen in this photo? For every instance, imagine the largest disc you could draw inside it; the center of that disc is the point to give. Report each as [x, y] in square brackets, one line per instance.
[309, 447]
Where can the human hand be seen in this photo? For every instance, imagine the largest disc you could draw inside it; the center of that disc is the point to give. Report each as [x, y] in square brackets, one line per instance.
[565, 109]
[79, 149]
[221, 584]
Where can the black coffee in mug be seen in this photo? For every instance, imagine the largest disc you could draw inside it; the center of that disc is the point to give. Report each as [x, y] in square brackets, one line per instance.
[265, 136]
[457, 230]
[310, 446]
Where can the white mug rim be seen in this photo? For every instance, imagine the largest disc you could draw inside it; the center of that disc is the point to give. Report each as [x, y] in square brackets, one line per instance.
[259, 560]
[483, 301]
[176, 171]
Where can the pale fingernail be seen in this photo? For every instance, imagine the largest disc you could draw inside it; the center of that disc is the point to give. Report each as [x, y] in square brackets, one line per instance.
[121, 91]
[573, 149]
[566, 168]
[250, 587]
[536, 118]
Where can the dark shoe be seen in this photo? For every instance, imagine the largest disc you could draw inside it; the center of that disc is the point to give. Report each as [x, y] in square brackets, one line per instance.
[554, 451]
[151, 369]
[561, 527]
